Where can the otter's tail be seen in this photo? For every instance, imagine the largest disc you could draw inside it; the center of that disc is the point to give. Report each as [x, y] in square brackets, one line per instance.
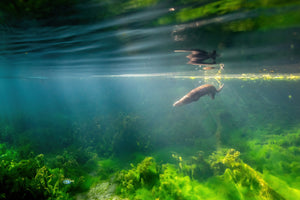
[220, 88]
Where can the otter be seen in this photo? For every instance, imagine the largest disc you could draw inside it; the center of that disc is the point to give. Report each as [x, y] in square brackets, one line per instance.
[198, 92]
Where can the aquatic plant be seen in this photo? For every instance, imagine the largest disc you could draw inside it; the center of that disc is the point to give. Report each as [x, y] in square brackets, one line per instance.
[277, 156]
[248, 182]
[49, 183]
[149, 181]
[196, 167]
[29, 179]
[66, 161]
[233, 179]
[80, 165]
[106, 168]
[145, 174]
[282, 186]
[174, 186]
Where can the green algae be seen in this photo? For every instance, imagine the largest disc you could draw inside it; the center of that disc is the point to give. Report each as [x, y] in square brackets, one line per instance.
[248, 182]
[29, 179]
[221, 174]
[276, 155]
[145, 174]
[282, 186]
[195, 167]
[232, 179]
[106, 168]
[176, 186]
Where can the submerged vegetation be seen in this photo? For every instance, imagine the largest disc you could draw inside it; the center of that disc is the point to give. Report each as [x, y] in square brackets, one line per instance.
[220, 174]
[30, 178]
[233, 179]
[128, 155]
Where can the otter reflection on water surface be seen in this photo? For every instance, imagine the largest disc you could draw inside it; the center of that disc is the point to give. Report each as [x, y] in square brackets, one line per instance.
[202, 58]
[198, 56]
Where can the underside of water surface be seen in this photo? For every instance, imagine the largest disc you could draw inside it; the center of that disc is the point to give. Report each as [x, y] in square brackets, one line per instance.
[88, 92]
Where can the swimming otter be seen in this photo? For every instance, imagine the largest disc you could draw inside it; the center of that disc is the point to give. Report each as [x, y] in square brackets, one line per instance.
[198, 92]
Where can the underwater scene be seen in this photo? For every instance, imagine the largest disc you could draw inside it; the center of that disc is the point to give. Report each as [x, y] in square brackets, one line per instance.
[150, 99]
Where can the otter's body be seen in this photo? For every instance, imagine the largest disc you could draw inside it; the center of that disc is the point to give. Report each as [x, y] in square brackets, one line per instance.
[198, 92]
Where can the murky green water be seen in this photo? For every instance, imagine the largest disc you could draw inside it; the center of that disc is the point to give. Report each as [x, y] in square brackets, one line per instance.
[87, 91]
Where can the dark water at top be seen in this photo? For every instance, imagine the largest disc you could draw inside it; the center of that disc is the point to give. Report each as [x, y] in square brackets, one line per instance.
[87, 83]
[142, 38]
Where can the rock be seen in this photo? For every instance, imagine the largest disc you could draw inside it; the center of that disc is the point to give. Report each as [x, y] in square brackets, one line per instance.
[103, 191]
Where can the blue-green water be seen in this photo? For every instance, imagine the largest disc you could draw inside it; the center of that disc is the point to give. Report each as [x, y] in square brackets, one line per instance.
[87, 92]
